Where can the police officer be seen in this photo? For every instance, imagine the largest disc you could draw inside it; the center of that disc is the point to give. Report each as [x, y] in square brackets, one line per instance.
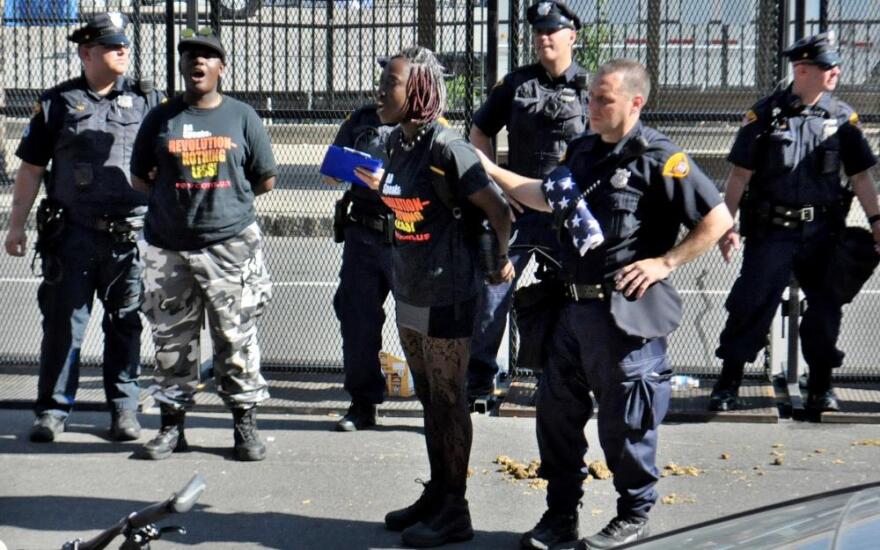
[364, 223]
[544, 107]
[788, 155]
[88, 225]
[611, 334]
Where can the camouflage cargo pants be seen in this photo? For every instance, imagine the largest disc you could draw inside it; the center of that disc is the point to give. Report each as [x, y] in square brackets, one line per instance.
[228, 282]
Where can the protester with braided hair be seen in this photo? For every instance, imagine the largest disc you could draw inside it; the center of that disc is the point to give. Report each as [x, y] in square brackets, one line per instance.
[436, 280]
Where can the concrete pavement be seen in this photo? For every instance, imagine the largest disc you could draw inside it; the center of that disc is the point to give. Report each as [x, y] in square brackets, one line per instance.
[324, 490]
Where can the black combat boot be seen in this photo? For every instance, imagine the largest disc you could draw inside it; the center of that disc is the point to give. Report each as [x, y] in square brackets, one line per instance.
[360, 415]
[450, 523]
[430, 501]
[248, 447]
[820, 397]
[170, 438]
[555, 530]
[726, 391]
[620, 530]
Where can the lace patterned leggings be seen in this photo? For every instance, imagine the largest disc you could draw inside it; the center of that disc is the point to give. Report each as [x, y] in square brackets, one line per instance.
[439, 370]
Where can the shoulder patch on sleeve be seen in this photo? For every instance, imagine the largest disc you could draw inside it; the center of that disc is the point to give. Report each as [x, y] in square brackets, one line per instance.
[443, 121]
[677, 166]
[854, 118]
[38, 108]
[749, 117]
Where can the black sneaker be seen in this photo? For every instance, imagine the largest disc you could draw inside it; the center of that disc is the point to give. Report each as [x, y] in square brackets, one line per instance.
[359, 416]
[724, 397]
[822, 402]
[46, 427]
[450, 523]
[124, 425]
[619, 530]
[554, 531]
[427, 504]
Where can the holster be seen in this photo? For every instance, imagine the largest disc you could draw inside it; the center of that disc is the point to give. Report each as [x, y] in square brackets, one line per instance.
[340, 217]
[50, 217]
[754, 220]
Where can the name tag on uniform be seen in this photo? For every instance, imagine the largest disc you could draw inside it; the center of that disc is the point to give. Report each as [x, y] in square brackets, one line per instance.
[829, 128]
[124, 101]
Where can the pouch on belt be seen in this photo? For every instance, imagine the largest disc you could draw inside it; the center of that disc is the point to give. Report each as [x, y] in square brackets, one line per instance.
[654, 315]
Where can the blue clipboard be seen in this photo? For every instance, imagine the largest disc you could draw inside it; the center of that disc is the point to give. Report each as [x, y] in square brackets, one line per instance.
[340, 162]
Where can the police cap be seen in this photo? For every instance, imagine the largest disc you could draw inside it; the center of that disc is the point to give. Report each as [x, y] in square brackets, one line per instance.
[202, 38]
[551, 15]
[819, 49]
[107, 29]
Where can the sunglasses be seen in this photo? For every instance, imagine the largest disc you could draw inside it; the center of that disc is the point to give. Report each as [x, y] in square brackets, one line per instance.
[192, 33]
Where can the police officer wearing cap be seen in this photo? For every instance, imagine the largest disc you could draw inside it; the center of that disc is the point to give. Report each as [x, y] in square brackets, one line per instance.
[787, 161]
[88, 225]
[616, 308]
[544, 107]
[364, 224]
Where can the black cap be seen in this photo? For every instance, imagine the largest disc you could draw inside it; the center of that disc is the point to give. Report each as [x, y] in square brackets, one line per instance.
[107, 29]
[204, 37]
[551, 15]
[819, 49]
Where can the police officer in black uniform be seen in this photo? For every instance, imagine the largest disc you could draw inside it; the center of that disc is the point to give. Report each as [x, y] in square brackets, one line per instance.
[788, 157]
[617, 310]
[87, 225]
[544, 107]
[364, 223]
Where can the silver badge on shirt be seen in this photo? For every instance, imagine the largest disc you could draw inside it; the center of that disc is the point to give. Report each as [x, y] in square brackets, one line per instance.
[124, 101]
[620, 178]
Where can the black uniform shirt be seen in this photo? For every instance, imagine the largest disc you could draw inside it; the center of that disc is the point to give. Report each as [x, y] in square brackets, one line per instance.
[797, 154]
[640, 197]
[542, 114]
[363, 130]
[433, 263]
[89, 139]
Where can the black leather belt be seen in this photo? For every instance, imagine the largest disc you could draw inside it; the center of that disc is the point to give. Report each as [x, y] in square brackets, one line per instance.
[580, 293]
[793, 217]
[376, 223]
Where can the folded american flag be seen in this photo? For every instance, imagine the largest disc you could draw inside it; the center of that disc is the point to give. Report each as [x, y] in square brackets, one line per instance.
[561, 192]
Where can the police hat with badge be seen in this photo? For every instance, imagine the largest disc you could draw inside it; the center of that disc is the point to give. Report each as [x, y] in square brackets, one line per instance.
[106, 29]
[819, 49]
[551, 15]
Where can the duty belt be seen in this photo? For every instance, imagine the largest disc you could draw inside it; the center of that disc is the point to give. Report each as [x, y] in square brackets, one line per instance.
[376, 223]
[116, 226]
[791, 217]
[580, 293]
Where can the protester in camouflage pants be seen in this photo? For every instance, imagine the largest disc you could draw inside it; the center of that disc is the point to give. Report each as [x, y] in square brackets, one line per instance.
[229, 283]
[202, 158]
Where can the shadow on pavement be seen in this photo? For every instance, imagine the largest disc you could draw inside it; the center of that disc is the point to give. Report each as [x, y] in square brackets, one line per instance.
[266, 529]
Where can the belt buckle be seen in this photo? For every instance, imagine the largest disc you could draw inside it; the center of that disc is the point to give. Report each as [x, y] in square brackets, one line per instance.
[807, 213]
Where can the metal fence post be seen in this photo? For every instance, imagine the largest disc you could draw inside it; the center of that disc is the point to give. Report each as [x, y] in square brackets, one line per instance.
[170, 81]
[491, 45]
[513, 35]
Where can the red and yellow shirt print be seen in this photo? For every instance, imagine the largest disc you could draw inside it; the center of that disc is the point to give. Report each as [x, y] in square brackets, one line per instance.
[408, 215]
[200, 157]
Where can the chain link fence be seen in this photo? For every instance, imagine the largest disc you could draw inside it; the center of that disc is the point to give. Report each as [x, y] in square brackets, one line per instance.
[305, 64]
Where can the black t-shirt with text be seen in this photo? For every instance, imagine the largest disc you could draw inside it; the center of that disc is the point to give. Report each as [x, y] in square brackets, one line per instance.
[208, 161]
[434, 264]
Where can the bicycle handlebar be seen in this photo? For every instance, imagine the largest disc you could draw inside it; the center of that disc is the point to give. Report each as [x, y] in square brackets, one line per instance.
[177, 503]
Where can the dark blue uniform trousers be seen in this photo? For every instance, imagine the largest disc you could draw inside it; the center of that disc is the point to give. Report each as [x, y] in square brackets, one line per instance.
[630, 379]
[364, 283]
[493, 301]
[768, 264]
[90, 262]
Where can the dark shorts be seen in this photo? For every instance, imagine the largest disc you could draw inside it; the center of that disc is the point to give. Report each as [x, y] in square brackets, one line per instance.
[453, 321]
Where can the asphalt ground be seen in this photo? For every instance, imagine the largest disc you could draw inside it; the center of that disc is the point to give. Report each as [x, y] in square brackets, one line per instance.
[325, 490]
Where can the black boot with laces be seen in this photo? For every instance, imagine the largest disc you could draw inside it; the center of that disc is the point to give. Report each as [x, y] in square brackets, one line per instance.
[248, 447]
[170, 438]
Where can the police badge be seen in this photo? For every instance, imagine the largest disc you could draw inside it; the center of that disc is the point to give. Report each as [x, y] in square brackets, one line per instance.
[620, 178]
[544, 8]
[829, 128]
[124, 101]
